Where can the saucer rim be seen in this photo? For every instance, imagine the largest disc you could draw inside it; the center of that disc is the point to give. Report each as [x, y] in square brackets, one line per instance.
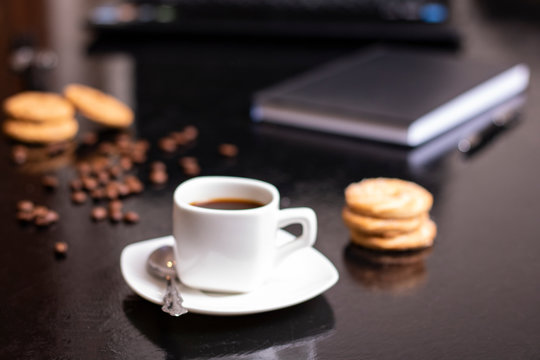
[126, 254]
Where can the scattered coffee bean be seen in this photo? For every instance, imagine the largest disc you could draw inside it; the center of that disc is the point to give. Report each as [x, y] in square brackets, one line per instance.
[89, 183]
[49, 182]
[97, 194]
[115, 216]
[89, 139]
[103, 177]
[158, 177]
[98, 213]
[25, 206]
[123, 189]
[134, 185]
[49, 218]
[138, 156]
[190, 166]
[115, 171]
[179, 138]
[40, 211]
[187, 160]
[191, 132]
[60, 248]
[78, 197]
[167, 144]
[19, 154]
[125, 163]
[131, 217]
[76, 185]
[115, 205]
[111, 191]
[106, 148]
[141, 145]
[25, 216]
[228, 150]
[84, 168]
[158, 166]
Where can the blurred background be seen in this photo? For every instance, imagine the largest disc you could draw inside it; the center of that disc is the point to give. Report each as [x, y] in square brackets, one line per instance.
[39, 35]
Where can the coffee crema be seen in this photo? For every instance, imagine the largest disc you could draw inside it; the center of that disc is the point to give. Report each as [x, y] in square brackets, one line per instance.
[228, 204]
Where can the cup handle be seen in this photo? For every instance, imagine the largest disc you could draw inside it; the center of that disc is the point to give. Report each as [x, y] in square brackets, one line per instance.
[303, 216]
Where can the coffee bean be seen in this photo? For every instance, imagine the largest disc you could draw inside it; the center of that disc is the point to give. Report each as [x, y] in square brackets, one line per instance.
[25, 206]
[19, 154]
[76, 184]
[158, 177]
[84, 168]
[116, 216]
[103, 177]
[125, 163]
[167, 144]
[60, 248]
[190, 132]
[179, 138]
[25, 216]
[106, 148]
[40, 211]
[191, 169]
[123, 189]
[131, 217]
[115, 205]
[78, 197]
[97, 194]
[134, 185]
[89, 139]
[141, 145]
[158, 166]
[98, 213]
[89, 183]
[49, 181]
[187, 160]
[116, 171]
[111, 191]
[228, 150]
[138, 156]
[49, 218]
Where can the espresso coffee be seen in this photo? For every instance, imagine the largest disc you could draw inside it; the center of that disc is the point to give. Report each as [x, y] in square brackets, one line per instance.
[228, 204]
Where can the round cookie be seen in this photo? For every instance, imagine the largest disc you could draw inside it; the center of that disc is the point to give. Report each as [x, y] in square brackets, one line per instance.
[380, 226]
[388, 198]
[98, 106]
[417, 239]
[32, 132]
[38, 106]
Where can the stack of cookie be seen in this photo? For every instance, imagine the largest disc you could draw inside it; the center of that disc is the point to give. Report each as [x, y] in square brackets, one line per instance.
[39, 117]
[44, 117]
[389, 214]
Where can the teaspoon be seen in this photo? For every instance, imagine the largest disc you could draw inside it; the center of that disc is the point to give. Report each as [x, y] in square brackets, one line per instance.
[161, 264]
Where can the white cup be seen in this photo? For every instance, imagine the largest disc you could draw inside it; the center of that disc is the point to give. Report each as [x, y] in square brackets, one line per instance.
[233, 250]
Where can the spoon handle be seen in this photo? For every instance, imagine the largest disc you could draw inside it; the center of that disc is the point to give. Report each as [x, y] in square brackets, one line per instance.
[172, 301]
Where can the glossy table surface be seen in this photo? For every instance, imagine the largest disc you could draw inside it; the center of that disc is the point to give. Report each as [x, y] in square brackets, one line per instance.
[475, 295]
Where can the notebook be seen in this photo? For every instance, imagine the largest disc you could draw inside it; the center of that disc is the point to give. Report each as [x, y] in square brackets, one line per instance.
[405, 97]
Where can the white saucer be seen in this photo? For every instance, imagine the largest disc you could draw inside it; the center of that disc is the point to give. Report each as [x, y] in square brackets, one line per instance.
[300, 277]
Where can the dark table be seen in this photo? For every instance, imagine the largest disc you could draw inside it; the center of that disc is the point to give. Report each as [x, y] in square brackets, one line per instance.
[476, 295]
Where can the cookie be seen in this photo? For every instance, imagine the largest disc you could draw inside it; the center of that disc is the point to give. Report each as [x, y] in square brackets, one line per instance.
[417, 239]
[98, 106]
[388, 198]
[34, 132]
[38, 106]
[380, 226]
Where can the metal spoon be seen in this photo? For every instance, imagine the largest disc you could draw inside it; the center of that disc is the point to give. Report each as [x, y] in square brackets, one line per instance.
[161, 264]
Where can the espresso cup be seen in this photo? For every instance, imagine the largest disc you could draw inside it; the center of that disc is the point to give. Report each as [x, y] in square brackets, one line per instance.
[233, 250]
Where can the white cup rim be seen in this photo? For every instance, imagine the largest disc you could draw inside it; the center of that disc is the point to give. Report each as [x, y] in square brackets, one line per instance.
[265, 186]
